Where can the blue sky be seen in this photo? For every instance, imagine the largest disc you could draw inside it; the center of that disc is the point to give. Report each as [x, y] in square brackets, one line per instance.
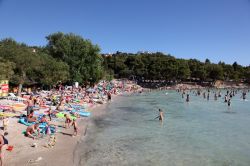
[214, 29]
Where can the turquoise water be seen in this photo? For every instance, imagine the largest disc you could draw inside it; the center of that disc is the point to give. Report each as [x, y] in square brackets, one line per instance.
[198, 133]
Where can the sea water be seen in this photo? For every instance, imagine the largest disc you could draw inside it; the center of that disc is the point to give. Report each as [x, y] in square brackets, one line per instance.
[198, 133]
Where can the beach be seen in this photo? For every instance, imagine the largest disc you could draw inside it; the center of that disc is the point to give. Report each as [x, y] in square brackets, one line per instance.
[56, 144]
[124, 83]
[61, 154]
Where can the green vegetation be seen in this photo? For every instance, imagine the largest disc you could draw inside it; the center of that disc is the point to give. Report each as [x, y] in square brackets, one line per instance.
[69, 58]
[66, 58]
[82, 57]
[157, 66]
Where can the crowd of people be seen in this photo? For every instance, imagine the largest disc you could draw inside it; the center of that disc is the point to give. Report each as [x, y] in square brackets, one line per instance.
[206, 93]
[69, 103]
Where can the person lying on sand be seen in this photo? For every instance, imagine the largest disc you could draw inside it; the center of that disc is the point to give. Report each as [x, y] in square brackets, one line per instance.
[32, 130]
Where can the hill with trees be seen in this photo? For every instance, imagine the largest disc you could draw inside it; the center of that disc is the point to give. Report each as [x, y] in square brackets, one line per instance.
[69, 58]
[158, 66]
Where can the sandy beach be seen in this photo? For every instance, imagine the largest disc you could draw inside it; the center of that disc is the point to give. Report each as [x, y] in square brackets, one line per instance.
[63, 153]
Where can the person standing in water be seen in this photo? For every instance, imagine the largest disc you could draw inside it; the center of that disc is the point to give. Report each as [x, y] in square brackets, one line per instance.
[182, 95]
[225, 99]
[187, 100]
[215, 96]
[219, 94]
[244, 95]
[161, 116]
[229, 102]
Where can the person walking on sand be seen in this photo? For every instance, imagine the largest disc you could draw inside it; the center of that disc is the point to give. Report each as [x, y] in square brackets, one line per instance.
[3, 141]
[74, 124]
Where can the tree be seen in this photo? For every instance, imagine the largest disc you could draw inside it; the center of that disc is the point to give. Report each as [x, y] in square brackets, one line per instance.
[82, 57]
[23, 57]
[52, 71]
[235, 66]
[214, 71]
[207, 61]
[183, 70]
[6, 69]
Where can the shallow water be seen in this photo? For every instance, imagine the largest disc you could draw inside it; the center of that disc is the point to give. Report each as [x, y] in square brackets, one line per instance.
[198, 133]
